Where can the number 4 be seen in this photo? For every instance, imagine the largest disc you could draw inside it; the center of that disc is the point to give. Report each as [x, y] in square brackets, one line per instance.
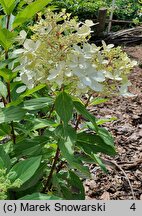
[133, 207]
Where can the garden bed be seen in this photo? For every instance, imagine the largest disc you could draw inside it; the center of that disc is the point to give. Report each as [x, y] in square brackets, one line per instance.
[127, 131]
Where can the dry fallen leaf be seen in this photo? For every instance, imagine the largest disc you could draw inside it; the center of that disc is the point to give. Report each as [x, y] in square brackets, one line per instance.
[105, 196]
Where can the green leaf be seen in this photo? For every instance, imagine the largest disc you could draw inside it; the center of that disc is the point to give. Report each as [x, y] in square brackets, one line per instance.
[28, 12]
[102, 121]
[78, 192]
[26, 94]
[68, 136]
[7, 74]
[106, 136]
[25, 169]
[84, 112]
[76, 163]
[100, 163]
[40, 196]
[8, 5]
[42, 123]
[93, 143]
[3, 90]
[6, 38]
[64, 107]
[30, 147]
[33, 90]
[65, 132]
[11, 114]
[5, 129]
[4, 159]
[68, 185]
[3, 21]
[34, 179]
[38, 103]
[97, 101]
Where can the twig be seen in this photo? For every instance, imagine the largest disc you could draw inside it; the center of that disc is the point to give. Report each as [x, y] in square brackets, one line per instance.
[4, 101]
[121, 21]
[80, 116]
[115, 165]
[111, 15]
[47, 185]
[130, 164]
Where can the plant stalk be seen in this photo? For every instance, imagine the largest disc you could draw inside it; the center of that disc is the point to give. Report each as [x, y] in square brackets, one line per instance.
[8, 88]
[47, 185]
[80, 116]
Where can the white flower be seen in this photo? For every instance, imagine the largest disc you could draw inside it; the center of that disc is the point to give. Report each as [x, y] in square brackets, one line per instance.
[89, 23]
[22, 36]
[27, 77]
[124, 89]
[97, 86]
[57, 74]
[21, 89]
[107, 47]
[30, 45]
[84, 30]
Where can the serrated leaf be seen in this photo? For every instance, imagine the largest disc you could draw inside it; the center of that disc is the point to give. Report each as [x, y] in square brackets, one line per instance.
[7, 74]
[33, 180]
[3, 90]
[30, 147]
[73, 162]
[97, 101]
[106, 136]
[37, 103]
[40, 196]
[28, 12]
[26, 94]
[5, 162]
[6, 38]
[78, 192]
[68, 136]
[64, 107]
[8, 5]
[11, 114]
[84, 112]
[93, 143]
[100, 163]
[102, 121]
[25, 169]
[33, 90]
[4, 63]
[5, 129]
[42, 123]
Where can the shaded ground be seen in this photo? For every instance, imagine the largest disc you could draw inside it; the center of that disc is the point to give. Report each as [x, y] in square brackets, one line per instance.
[127, 131]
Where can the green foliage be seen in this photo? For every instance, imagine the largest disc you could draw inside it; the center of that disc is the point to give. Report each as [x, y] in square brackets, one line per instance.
[88, 9]
[44, 150]
[64, 107]
[28, 12]
[25, 169]
[3, 90]
[6, 38]
[128, 10]
[39, 196]
[5, 162]
[8, 6]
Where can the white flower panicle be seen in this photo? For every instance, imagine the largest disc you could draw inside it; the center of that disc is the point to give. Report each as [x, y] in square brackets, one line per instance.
[53, 56]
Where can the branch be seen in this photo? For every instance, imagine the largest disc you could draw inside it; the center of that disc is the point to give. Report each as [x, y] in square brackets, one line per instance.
[115, 165]
[47, 185]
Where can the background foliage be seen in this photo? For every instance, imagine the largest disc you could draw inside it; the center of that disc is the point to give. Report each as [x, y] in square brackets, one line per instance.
[124, 9]
[47, 135]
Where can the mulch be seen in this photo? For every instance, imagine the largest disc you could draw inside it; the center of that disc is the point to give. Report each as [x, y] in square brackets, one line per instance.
[124, 178]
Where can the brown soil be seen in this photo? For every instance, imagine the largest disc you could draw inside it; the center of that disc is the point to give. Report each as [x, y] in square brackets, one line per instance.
[127, 130]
